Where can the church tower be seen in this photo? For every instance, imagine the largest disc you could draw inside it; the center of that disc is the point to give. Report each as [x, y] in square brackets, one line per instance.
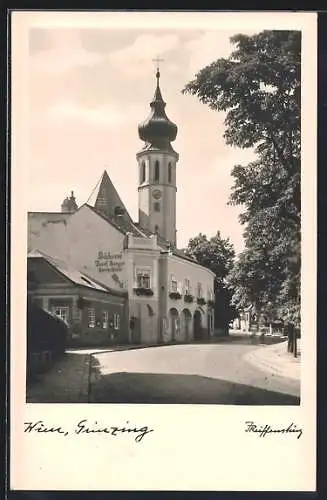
[157, 171]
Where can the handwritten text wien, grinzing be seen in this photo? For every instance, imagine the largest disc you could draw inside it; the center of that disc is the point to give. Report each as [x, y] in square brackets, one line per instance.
[86, 427]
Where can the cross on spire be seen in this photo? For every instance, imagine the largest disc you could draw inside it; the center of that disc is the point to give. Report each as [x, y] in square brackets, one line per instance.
[157, 60]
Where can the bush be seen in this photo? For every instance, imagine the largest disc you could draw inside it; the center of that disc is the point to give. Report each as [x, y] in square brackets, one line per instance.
[45, 334]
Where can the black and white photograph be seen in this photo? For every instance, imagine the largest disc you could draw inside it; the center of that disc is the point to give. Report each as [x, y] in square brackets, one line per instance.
[164, 216]
[164, 165]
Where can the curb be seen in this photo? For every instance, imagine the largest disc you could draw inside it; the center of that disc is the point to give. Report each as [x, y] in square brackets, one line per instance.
[268, 361]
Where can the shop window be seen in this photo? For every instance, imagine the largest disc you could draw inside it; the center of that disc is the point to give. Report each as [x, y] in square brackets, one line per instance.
[62, 312]
[143, 278]
[91, 318]
[105, 319]
[116, 321]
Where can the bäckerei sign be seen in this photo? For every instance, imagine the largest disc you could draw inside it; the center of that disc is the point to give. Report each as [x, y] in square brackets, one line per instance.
[109, 262]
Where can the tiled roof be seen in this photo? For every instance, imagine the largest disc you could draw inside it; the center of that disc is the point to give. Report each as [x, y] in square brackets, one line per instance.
[74, 275]
[110, 207]
[183, 255]
[107, 199]
[165, 245]
[123, 225]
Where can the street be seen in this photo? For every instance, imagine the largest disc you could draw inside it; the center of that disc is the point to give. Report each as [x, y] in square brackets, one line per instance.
[193, 374]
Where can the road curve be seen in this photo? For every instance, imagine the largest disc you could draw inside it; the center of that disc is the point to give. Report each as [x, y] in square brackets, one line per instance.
[190, 374]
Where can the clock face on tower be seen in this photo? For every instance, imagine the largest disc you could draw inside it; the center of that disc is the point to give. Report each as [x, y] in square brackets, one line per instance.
[156, 194]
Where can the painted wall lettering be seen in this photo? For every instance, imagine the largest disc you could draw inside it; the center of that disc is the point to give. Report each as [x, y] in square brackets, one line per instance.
[109, 262]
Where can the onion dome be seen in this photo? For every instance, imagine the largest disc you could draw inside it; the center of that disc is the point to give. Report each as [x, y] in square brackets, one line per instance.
[158, 131]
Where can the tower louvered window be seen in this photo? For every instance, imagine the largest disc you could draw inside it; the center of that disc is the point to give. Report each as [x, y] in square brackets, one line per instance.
[156, 171]
[142, 172]
[169, 173]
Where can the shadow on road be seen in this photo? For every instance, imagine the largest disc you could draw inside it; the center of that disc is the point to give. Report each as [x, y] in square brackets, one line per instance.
[153, 388]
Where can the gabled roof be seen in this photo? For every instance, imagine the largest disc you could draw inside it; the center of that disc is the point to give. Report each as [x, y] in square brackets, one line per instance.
[123, 225]
[110, 206]
[75, 276]
[107, 198]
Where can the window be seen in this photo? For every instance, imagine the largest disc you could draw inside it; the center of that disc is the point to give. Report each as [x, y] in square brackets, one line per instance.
[156, 207]
[91, 318]
[173, 284]
[156, 171]
[62, 312]
[116, 321]
[169, 173]
[143, 278]
[199, 291]
[142, 172]
[187, 286]
[105, 318]
[119, 211]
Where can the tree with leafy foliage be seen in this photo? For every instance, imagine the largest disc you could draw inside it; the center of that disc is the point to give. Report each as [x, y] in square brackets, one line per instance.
[217, 254]
[259, 89]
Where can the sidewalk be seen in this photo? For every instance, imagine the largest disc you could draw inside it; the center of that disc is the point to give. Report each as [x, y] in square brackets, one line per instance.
[65, 382]
[275, 359]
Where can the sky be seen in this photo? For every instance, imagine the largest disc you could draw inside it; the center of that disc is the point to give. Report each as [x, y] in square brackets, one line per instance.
[89, 88]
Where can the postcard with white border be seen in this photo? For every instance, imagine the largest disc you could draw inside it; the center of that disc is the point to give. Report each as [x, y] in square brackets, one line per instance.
[163, 251]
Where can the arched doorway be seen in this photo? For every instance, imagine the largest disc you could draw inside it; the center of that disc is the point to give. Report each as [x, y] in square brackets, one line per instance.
[174, 324]
[186, 325]
[197, 325]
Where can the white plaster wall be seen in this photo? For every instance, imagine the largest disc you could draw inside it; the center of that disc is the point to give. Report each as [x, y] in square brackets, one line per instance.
[182, 269]
[38, 221]
[138, 304]
[79, 241]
